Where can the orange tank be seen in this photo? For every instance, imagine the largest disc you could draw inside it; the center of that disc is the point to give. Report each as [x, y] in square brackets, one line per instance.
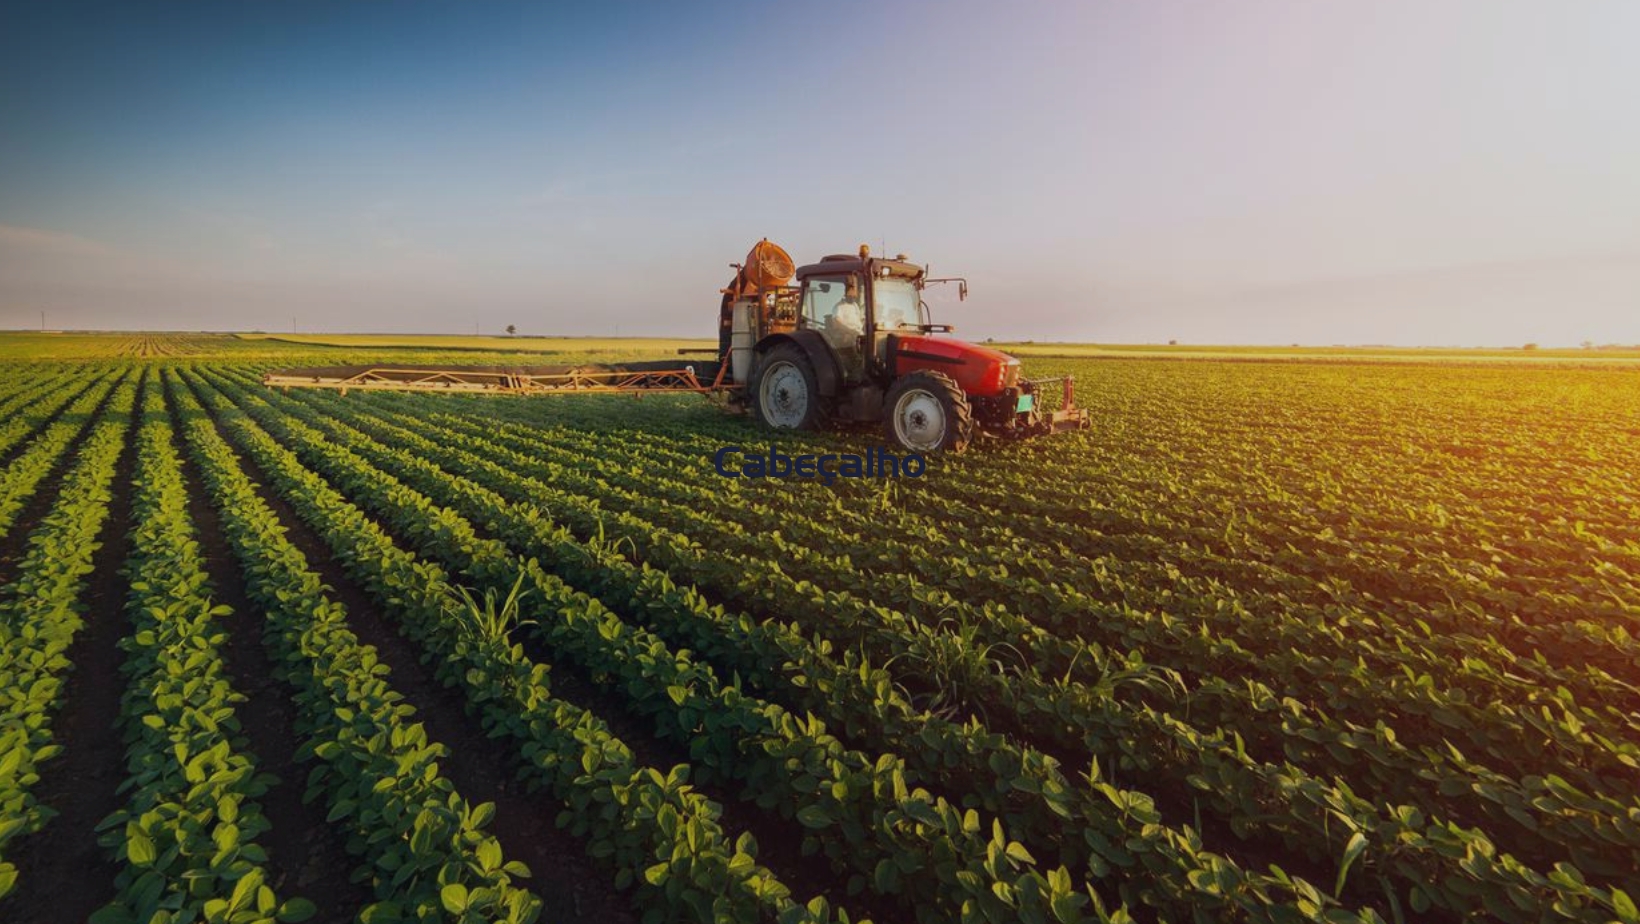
[767, 266]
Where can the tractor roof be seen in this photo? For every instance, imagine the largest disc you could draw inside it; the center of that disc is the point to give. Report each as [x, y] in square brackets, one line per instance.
[840, 263]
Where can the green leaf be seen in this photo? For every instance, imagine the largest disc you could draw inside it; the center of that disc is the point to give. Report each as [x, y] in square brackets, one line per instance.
[813, 816]
[139, 847]
[1624, 906]
[1067, 907]
[245, 890]
[1352, 852]
[296, 910]
[382, 913]
[454, 897]
[922, 812]
[886, 876]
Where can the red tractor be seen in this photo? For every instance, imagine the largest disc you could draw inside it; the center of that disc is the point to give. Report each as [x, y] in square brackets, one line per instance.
[852, 342]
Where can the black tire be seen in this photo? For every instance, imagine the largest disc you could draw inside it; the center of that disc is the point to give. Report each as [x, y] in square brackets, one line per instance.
[785, 392]
[910, 419]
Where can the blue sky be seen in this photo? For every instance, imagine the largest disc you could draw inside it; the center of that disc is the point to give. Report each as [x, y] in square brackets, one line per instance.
[1446, 173]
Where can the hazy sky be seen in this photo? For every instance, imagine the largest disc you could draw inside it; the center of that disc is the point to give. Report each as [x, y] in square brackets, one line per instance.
[1392, 171]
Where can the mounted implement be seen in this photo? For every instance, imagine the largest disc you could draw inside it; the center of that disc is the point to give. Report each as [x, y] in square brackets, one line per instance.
[849, 342]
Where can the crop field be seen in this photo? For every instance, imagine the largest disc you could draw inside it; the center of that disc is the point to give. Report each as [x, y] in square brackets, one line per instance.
[1590, 356]
[1274, 641]
[647, 347]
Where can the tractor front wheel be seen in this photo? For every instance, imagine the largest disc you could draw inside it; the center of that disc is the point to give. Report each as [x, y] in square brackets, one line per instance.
[928, 412]
[785, 392]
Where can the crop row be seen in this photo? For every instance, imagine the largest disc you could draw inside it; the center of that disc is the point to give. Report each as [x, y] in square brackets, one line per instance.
[40, 615]
[23, 476]
[25, 408]
[427, 850]
[186, 838]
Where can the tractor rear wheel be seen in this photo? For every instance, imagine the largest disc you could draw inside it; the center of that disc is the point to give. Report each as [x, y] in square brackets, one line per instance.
[785, 392]
[928, 412]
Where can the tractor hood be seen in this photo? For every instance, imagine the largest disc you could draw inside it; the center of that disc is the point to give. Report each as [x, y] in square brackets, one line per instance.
[978, 370]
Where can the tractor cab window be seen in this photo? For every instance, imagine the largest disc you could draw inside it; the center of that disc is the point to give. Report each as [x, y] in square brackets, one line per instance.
[834, 306]
[896, 303]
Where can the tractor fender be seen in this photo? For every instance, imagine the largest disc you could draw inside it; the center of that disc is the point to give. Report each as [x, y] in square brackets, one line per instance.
[826, 374]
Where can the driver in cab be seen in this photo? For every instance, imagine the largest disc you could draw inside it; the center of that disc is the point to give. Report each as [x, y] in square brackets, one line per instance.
[847, 323]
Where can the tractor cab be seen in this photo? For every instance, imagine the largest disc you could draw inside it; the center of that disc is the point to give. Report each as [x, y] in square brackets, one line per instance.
[857, 304]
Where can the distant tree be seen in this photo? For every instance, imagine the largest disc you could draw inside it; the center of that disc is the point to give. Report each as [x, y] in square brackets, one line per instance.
[1173, 343]
[1530, 346]
[1588, 344]
[512, 329]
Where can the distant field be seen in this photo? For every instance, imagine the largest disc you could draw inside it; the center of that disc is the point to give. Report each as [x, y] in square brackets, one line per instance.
[1334, 354]
[84, 347]
[632, 346]
[1314, 640]
[106, 345]
[659, 346]
[22, 345]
